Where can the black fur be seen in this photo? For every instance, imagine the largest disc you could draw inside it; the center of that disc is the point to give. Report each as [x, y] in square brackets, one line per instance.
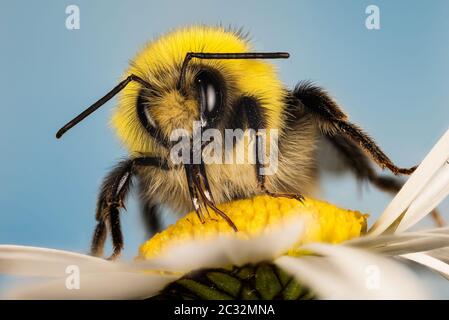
[317, 98]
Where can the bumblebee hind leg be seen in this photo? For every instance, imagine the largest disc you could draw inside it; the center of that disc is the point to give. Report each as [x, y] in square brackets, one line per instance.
[351, 141]
[355, 160]
[331, 121]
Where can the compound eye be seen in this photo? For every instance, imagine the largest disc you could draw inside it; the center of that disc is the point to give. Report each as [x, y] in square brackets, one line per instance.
[210, 93]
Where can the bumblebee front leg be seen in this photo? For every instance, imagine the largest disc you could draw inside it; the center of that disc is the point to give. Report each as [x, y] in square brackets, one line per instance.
[113, 192]
[201, 195]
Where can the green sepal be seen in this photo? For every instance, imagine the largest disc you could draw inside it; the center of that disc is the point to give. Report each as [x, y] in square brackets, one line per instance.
[203, 291]
[225, 282]
[267, 283]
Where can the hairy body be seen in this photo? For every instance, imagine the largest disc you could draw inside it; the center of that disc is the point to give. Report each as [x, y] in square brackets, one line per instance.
[212, 76]
[298, 143]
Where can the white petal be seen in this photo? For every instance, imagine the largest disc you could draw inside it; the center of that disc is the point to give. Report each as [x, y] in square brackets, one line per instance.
[225, 250]
[347, 273]
[435, 192]
[99, 278]
[108, 285]
[436, 158]
[34, 261]
[429, 261]
[402, 243]
[440, 254]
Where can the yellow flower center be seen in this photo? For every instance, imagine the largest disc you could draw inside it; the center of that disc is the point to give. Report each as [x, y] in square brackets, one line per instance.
[324, 222]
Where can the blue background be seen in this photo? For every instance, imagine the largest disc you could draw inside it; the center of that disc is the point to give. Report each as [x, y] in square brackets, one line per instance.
[393, 82]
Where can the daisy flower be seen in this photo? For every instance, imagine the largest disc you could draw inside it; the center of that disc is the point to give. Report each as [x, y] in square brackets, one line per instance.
[284, 249]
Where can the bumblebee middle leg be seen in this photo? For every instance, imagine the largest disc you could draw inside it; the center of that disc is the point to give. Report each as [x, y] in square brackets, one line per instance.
[201, 195]
[256, 120]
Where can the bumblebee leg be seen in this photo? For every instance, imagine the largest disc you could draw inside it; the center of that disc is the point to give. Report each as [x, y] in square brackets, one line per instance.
[203, 175]
[332, 120]
[256, 121]
[201, 195]
[151, 217]
[202, 185]
[207, 191]
[98, 239]
[113, 192]
[193, 191]
[116, 233]
[356, 160]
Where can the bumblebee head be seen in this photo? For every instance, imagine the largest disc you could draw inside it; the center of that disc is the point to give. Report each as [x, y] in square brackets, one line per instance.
[191, 74]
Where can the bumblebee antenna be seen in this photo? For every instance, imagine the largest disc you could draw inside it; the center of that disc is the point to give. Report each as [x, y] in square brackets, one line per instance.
[101, 102]
[242, 55]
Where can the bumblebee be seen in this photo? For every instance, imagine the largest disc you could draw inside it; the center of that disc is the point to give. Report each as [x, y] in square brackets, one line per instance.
[212, 75]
